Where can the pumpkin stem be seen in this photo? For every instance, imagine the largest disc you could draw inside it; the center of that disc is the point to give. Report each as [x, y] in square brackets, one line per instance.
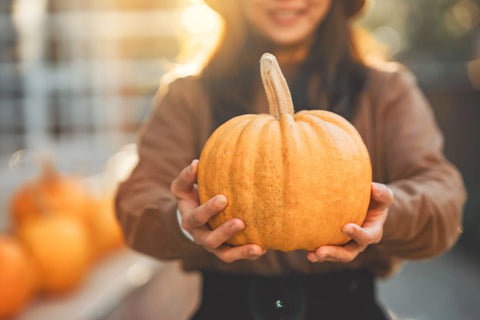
[276, 87]
[49, 172]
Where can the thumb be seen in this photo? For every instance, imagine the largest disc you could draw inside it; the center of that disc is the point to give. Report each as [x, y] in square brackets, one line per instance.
[381, 198]
[183, 187]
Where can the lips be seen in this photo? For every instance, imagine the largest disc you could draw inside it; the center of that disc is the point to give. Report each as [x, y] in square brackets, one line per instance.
[285, 17]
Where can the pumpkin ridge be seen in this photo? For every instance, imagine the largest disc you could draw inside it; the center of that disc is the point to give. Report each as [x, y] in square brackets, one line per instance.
[314, 162]
[333, 155]
[229, 213]
[259, 217]
[242, 177]
[291, 146]
[209, 161]
[333, 118]
[266, 179]
[203, 174]
[319, 160]
[213, 144]
[340, 136]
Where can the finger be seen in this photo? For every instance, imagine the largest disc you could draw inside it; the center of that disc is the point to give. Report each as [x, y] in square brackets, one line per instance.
[214, 239]
[381, 198]
[200, 215]
[362, 236]
[248, 251]
[183, 187]
[335, 253]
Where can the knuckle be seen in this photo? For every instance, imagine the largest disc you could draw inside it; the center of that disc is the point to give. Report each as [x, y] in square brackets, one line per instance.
[174, 187]
[348, 258]
[198, 241]
[197, 219]
[229, 260]
[226, 258]
[357, 252]
[180, 193]
[368, 238]
[378, 238]
[212, 204]
[210, 242]
[249, 253]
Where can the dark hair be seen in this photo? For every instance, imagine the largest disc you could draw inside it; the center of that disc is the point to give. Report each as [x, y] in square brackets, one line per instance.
[232, 77]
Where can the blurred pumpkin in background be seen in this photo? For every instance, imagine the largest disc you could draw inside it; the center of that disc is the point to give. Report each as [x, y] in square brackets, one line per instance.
[106, 234]
[17, 277]
[60, 246]
[63, 223]
[49, 193]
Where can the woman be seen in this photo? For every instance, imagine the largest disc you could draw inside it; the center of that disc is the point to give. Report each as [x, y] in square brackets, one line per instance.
[313, 42]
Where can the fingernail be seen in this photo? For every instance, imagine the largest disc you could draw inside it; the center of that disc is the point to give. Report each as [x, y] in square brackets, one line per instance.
[220, 201]
[349, 230]
[236, 226]
[192, 164]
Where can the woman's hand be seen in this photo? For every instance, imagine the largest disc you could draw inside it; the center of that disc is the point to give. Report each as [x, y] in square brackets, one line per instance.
[196, 216]
[371, 231]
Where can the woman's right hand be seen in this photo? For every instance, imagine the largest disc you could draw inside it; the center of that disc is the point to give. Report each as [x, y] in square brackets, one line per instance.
[196, 216]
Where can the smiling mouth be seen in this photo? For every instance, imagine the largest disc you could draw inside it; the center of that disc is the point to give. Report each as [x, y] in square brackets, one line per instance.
[285, 17]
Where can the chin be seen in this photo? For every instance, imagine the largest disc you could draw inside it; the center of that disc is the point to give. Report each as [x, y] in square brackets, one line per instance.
[288, 38]
[287, 42]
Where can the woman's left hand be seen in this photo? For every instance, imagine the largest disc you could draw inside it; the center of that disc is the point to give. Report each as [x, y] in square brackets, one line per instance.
[370, 232]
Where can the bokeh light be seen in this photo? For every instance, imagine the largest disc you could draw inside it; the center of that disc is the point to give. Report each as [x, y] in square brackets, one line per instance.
[200, 19]
[390, 37]
[462, 17]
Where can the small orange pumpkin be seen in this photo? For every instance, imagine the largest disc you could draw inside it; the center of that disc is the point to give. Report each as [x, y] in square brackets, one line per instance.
[105, 231]
[294, 179]
[60, 245]
[51, 192]
[17, 277]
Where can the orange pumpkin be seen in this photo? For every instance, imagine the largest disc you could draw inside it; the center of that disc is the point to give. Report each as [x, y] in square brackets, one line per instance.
[105, 231]
[50, 193]
[60, 246]
[294, 179]
[17, 277]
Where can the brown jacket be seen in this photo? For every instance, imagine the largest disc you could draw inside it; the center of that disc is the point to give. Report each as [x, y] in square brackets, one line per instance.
[405, 146]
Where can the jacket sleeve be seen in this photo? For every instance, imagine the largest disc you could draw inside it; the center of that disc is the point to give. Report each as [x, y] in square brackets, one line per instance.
[424, 219]
[145, 207]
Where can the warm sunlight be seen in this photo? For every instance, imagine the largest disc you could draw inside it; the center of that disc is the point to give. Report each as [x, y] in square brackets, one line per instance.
[203, 27]
[200, 19]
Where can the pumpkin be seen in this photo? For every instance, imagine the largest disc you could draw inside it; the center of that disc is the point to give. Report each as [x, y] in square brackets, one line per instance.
[60, 245]
[17, 277]
[294, 179]
[51, 192]
[105, 231]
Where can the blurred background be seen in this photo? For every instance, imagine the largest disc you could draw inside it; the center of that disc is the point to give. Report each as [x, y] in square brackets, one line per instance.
[77, 78]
